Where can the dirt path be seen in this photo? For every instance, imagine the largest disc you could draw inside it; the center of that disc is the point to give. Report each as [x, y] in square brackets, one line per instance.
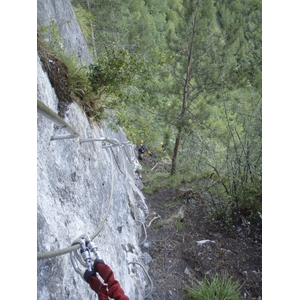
[185, 245]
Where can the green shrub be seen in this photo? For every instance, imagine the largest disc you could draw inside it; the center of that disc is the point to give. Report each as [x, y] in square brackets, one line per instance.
[77, 73]
[220, 206]
[116, 68]
[50, 39]
[179, 224]
[217, 288]
[250, 203]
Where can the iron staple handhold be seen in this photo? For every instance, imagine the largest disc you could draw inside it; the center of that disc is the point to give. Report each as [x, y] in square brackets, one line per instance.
[55, 118]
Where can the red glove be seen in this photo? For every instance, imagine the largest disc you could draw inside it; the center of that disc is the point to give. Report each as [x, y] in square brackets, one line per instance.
[114, 289]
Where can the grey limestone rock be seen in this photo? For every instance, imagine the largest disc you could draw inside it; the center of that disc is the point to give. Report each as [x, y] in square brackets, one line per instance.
[61, 11]
[74, 182]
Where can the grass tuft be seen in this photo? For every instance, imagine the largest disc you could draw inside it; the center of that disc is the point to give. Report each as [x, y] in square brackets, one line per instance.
[218, 287]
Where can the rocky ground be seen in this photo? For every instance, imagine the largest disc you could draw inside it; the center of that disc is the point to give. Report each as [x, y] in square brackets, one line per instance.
[185, 245]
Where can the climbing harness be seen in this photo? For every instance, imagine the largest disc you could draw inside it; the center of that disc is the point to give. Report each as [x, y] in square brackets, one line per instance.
[143, 148]
[84, 256]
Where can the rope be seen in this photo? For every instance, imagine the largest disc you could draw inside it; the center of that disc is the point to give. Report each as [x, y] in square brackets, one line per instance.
[133, 153]
[55, 253]
[144, 230]
[111, 193]
[117, 163]
[146, 211]
[151, 283]
[127, 157]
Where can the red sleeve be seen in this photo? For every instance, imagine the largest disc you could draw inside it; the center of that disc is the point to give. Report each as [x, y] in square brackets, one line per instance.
[114, 289]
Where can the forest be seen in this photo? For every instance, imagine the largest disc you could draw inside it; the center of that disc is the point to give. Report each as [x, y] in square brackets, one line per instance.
[186, 74]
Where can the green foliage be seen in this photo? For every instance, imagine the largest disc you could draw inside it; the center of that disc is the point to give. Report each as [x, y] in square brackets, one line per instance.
[220, 206]
[85, 19]
[157, 180]
[162, 181]
[77, 73]
[178, 224]
[216, 288]
[232, 149]
[241, 22]
[115, 69]
[141, 72]
[250, 195]
[52, 36]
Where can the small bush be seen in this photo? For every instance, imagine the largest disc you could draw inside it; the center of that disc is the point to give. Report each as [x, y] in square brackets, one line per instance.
[116, 68]
[217, 288]
[77, 73]
[178, 224]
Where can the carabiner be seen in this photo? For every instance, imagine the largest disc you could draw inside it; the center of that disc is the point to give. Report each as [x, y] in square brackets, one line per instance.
[84, 257]
[73, 259]
[91, 246]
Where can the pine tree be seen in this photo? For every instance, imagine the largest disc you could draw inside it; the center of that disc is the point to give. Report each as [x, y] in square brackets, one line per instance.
[200, 64]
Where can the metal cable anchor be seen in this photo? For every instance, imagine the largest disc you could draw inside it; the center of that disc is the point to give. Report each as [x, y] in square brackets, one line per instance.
[83, 255]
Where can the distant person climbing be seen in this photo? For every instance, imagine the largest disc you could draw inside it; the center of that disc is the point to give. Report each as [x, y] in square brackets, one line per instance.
[111, 288]
[141, 149]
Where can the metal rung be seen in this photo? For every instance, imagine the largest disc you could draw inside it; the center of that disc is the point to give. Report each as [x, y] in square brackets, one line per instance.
[62, 137]
[55, 118]
[102, 139]
[105, 141]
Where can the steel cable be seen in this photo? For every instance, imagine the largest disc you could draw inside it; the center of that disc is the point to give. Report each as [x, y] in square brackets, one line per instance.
[151, 283]
[60, 252]
[144, 231]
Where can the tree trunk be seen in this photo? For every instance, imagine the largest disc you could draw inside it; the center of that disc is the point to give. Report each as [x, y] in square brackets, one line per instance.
[184, 102]
[175, 151]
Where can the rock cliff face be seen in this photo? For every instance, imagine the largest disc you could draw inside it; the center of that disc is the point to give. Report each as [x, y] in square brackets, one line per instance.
[61, 11]
[74, 182]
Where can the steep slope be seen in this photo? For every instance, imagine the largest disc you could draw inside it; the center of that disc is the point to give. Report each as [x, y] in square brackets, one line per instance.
[74, 184]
